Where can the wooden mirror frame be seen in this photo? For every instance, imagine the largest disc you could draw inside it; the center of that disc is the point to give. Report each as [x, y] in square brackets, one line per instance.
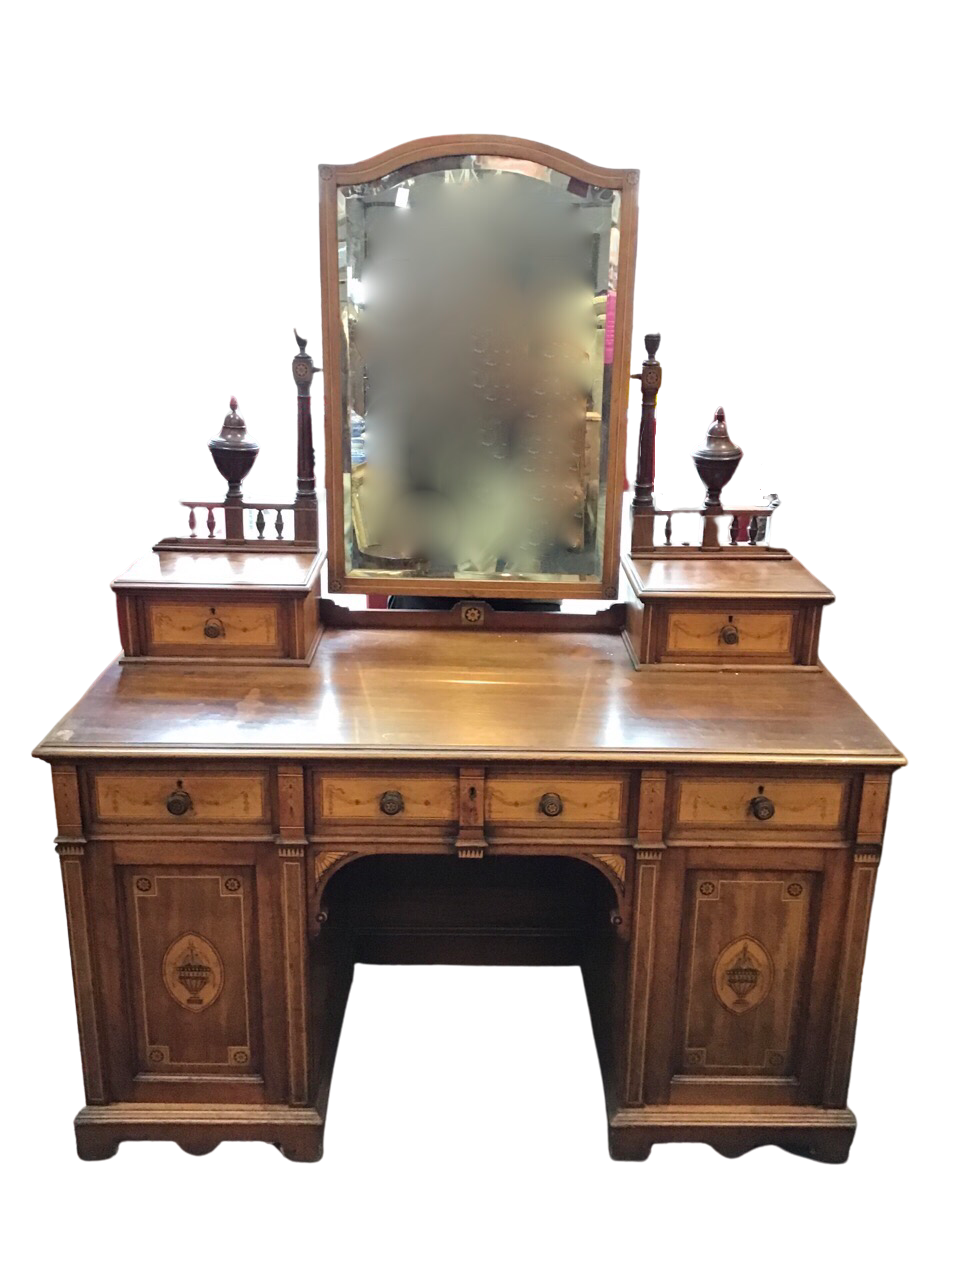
[622, 180]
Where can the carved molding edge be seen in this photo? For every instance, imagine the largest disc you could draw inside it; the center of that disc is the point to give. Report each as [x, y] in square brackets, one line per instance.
[645, 890]
[847, 995]
[869, 856]
[295, 980]
[70, 846]
[291, 848]
[81, 959]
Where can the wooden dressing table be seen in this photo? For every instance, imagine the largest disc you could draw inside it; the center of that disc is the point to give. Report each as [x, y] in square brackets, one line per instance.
[270, 787]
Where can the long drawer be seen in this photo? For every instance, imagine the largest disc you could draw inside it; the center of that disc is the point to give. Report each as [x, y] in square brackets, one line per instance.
[181, 797]
[553, 799]
[386, 798]
[759, 806]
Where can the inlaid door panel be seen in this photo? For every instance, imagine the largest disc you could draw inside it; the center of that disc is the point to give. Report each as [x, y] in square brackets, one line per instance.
[192, 970]
[747, 951]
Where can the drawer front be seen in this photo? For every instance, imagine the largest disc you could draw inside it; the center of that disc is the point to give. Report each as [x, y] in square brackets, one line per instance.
[183, 798]
[386, 798]
[760, 805]
[208, 629]
[727, 635]
[551, 800]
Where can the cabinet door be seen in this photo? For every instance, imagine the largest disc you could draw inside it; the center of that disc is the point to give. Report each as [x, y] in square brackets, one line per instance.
[750, 962]
[192, 967]
[196, 945]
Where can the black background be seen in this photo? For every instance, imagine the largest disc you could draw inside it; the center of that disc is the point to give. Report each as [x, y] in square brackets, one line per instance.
[184, 278]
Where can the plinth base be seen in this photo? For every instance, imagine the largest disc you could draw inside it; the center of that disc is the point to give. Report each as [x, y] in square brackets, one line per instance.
[817, 1133]
[297, 1131]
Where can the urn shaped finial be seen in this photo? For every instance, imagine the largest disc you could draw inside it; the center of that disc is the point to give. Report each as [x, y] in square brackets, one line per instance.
[718, 459]
[233, 453]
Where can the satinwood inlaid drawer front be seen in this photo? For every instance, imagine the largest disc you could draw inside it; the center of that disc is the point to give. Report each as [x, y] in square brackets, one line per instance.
[205, 628]
[182, 797]
[386, 798]
[725, 636]
[760, 805]
[555, 800]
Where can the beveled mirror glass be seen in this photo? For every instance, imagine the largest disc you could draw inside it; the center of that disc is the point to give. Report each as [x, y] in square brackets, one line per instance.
[476, 322]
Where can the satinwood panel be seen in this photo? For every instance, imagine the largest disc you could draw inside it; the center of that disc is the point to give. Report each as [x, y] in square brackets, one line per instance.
[699, 633]
[210, 797]
[341, 797]
[710, 804]
[515, 799]
[201, 628]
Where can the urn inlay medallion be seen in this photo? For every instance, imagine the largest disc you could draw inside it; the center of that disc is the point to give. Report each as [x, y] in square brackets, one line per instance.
[193, 972]
[742, 974]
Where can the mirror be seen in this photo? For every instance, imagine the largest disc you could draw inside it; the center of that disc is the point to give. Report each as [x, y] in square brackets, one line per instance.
[476, 320]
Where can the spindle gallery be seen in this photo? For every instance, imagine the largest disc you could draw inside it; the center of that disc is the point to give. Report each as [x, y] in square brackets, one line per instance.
[279, 779]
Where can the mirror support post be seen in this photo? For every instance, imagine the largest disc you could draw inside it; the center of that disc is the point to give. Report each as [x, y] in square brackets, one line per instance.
[643, 503]
[306, 523]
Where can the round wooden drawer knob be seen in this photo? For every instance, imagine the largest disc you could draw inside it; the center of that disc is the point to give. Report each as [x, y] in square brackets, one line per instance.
[762, 808]
[391, 803]
[178, 802]
[213, 628]
[729, 634]
[551, 806]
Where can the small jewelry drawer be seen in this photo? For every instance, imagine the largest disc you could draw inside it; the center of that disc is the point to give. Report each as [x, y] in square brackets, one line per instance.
[388, 799]
[180, 797]
[759, 806]
[728, 635]
[551, 800]
[176, 629]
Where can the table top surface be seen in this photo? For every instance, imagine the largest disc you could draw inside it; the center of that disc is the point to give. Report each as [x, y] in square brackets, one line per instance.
[476, 695]
[273, 570]
[750, 578]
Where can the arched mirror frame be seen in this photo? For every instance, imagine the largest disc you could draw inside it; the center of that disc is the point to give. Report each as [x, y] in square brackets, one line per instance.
[622, 180]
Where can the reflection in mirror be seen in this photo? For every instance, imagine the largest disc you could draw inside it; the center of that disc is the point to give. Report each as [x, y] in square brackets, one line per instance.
[477, 303]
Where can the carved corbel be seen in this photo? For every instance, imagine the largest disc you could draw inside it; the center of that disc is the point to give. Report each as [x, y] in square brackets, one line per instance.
[471, 838]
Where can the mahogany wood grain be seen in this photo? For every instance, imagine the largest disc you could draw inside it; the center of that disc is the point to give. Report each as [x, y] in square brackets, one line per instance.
[388, 695]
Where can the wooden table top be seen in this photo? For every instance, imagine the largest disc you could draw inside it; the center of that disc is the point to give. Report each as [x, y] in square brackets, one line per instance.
[729, 579]
[266, 571]
[422, 694]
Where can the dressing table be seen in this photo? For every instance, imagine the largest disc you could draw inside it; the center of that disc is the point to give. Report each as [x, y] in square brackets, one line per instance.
[664, 787]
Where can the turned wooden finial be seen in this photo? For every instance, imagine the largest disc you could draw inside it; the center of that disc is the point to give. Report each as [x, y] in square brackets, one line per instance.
[718, 459]
[233, 453]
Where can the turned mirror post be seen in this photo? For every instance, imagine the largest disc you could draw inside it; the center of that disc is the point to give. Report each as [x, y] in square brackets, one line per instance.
[305, 504]
[643, 502]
